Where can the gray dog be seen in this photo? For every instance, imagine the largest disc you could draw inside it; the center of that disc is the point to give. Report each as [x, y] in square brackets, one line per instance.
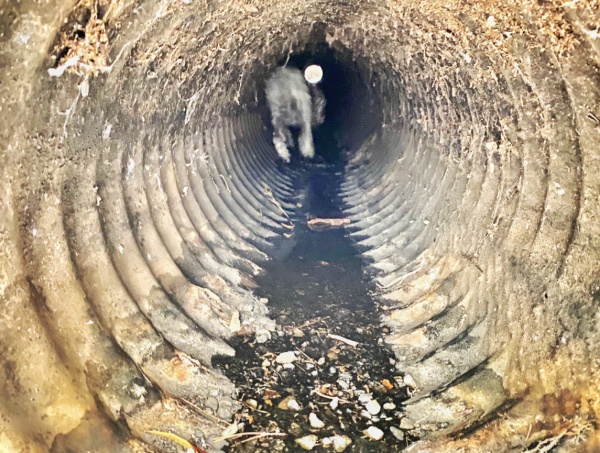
[294, 103]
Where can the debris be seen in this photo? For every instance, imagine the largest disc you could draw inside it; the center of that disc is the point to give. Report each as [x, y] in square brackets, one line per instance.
[315, 421]
[234, 323]
[408, 380]
[333, 404]
[397, 433]
[343, 340]
[373, 433]
[340, 443]
[58, 71]
[387, 384]
[230, 430]
[307, 442]
[389, 406]
[407, 424]
[289, 404]
[262, 336]
[297, 333]
[319, 224]
[373, 407]
[286, 357]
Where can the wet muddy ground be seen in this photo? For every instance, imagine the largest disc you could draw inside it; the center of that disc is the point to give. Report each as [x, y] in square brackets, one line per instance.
[308, 384]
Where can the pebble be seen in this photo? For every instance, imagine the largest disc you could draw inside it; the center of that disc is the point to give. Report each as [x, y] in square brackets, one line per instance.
[321, 361]
[407, 424]
[365, 414]
[297, 333]
[374, 433]
[307, 442]
[289, 404]
[286, 357]
[333, 404]
[262, 336]
[315, 421]
[408, 380]
[397, 433]
[373, 407]
[340, 443]
[252, 403]
[266, 363]
[389, 406]
[365, 398]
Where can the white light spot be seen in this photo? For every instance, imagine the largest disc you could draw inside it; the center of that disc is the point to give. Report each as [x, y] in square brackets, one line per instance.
[313, 73]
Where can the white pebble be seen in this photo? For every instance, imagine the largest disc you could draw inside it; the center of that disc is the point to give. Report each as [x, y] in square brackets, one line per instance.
[373, 407]
[389, 406]
[407, 424]
[408, 380]
[333, 404]
[315, 421]
[397, 433]
[262, 336]
[340, 443]
[307, 442]
[374, 433]
[364, 398]
[286, 357]
[293, 405]
[365, 414]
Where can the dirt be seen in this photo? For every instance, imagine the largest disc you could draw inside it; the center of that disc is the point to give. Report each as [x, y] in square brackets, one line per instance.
[317, 288]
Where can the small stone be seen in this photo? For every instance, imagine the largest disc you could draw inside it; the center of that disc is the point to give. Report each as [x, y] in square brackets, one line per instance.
[297, 333]
[252, 403]
[389, 406]
[289, 404]
[373, 407]
[307, 442]
[397, 433]
[321, 361]
[365, 414]
[286, 357]
[365, 398]
[408, 380]
[266, 363]
[340, 443]
[315, 421]
[262, 336]
[326, 442]
[293, 405]
[230, 430]
[373, 433]
[407, 424]
[332, 370]
[333, 404]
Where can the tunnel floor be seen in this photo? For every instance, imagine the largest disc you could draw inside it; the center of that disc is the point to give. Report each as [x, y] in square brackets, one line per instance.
[316, 287]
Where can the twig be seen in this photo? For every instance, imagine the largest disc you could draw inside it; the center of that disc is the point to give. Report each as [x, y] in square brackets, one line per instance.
[343, 340]
[256, 435]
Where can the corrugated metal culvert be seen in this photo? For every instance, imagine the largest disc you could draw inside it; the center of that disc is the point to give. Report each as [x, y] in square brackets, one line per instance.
[141, 193]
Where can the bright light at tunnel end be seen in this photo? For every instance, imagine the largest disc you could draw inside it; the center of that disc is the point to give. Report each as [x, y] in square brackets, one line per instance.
[313, 73]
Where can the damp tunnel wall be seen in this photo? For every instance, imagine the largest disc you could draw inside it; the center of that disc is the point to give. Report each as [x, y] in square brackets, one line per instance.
[141, 193]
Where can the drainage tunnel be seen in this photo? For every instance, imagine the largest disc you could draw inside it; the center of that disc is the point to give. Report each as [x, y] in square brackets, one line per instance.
[145, 211]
